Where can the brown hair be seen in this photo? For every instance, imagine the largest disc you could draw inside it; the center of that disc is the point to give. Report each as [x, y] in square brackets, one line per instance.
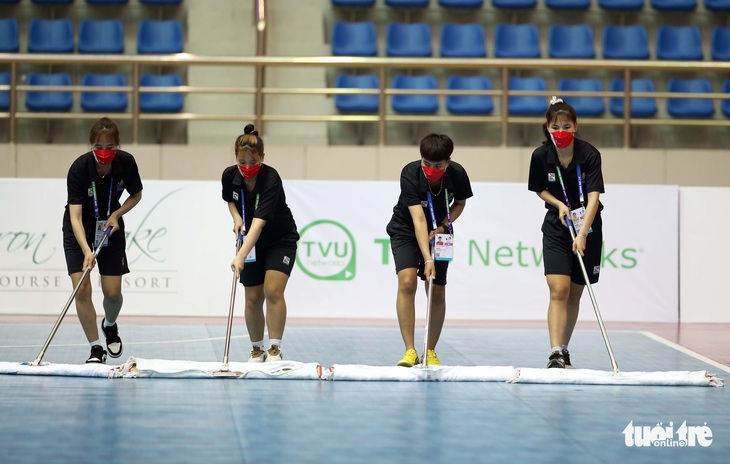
[249, 141]
[102, 127]
[557, 108]
[436, 147]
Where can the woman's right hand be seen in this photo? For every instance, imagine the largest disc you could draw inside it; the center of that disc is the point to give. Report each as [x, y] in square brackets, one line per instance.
[237, 264]
[563, 212]
[429, 270]
[237, 225]
[89, 260]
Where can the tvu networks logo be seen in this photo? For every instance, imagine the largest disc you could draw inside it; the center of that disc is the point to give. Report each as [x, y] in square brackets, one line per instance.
[327, 251]
[661, 436]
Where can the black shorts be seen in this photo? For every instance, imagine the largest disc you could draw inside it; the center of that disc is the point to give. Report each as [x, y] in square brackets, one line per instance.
[407, 255]
[557, 251]
[111, 261]
[276, 257]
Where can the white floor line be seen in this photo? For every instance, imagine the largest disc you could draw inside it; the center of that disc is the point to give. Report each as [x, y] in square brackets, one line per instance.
[686, 351]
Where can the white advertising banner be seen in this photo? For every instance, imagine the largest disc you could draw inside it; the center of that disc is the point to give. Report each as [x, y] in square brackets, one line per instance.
[180, 245]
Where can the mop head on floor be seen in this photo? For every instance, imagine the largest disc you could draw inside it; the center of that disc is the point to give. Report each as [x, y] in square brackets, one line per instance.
[293, 370]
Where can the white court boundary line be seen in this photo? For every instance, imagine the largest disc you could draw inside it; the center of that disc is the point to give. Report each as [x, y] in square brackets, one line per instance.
[159, 342]
[686, 351]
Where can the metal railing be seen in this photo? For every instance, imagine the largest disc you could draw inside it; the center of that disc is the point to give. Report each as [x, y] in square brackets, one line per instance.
[505, 68]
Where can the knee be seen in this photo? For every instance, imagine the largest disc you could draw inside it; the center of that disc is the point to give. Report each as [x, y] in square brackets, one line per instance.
[408, 285]
[559, 292]
[274, 294]
[84, 292]
[439, 293]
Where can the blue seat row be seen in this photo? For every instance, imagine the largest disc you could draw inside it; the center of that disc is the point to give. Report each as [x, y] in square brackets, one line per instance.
[95, 36]
[61, 101]
[624, 5]
[641, 107]
[523, 41]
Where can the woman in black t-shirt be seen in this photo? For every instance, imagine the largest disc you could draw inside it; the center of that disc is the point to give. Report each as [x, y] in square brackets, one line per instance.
[257, 204]
[565, 172]
[95, 183]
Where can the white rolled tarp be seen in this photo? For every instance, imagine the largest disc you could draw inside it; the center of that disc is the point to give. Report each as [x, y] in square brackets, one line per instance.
[292, 370]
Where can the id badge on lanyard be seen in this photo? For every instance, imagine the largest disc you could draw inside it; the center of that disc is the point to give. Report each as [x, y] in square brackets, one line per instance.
[251, 257]
[443, 244]
[577, 215]
[101, 223]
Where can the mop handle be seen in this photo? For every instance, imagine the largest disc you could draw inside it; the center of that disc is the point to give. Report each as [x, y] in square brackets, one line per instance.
[424, 361]
[224, 367]
[68, 303]
[593, 300]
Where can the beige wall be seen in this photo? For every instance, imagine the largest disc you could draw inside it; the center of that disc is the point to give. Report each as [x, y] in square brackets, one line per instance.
[488, 164]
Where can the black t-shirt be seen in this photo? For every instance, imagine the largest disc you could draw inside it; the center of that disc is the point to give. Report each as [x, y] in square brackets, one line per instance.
[272, 207]
[81, 180]
[543, 174]
[413, 191]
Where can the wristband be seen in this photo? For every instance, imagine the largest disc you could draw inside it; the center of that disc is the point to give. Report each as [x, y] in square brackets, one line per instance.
[579, 235]
[428, 261]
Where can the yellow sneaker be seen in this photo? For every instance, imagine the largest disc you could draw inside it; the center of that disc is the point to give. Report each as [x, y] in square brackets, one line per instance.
[432, 359]
[409, 359]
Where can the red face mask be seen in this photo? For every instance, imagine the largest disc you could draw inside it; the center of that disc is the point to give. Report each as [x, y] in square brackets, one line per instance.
[249, 172]
[433, 174]
[561, 139]
[105, 156]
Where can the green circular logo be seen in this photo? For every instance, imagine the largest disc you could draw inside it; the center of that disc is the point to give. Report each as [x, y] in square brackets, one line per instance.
[327, 251]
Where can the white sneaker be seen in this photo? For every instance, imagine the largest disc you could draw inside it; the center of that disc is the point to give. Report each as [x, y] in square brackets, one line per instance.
[273, 353]
[258, 355]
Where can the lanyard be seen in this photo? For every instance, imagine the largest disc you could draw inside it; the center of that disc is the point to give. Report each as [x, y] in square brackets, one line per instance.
[433, 215]
[96, 202]
[243, 209]
[580, 185]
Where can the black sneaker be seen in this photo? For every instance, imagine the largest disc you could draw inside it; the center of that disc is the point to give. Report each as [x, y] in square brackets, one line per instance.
[113, 342]
[566, 359]
[556, 361]
[97, 356]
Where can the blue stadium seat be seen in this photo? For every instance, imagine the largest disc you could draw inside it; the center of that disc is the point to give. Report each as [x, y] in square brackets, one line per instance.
[4, 94]
[720, 49]
[625, 43]
[621, 5]
[101, 36]
[584, 106]
[9, 35]
[51, 36]
[461, 3]
[407, 3]
[678, 43]
[351, 3]
[357, 103]
[469, 104]
[674, 5]
[514, 4]
[642, 107]
[161, 2]
[418, 104]
[527, 105]
[516, 41]
[568, 4]
[51, 2]
[571, 41]
[354, 38]
[408, 39]
[102, 102]
[463, 41]
[107, 2]
[717, 5]
[690, 107]
[9, 1]
[49, 100]
[159, 37]
[160, 102]
[725, 105]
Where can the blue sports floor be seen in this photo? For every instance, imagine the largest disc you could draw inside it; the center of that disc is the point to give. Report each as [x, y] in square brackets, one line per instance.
[92, 420]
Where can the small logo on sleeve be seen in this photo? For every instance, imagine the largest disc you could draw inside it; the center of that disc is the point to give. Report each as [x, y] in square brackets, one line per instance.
[235, 196]
[551, 177]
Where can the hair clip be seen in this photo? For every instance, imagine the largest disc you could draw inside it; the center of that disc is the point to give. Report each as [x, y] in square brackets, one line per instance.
[554, 100]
